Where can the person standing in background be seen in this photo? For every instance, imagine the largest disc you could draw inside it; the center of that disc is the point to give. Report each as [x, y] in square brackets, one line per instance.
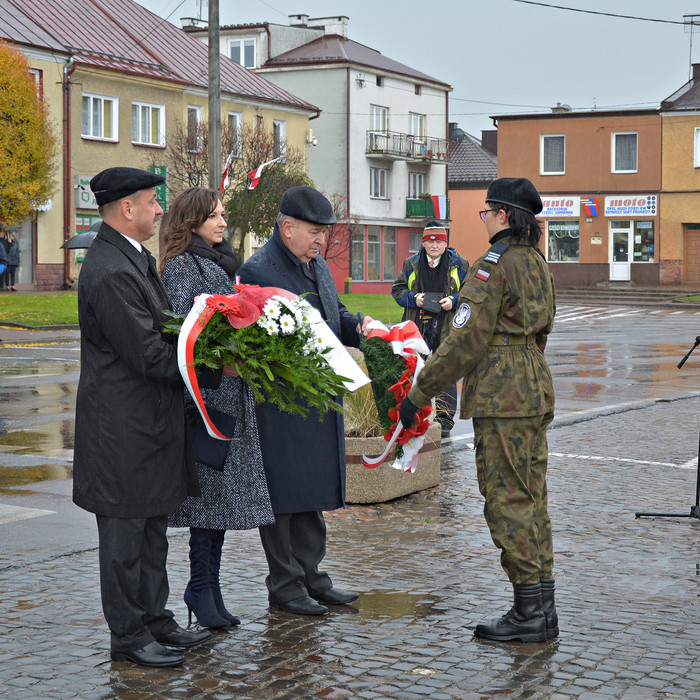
[438, 271]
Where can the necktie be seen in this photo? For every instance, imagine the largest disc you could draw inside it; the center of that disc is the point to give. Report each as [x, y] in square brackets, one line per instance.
[432, 263]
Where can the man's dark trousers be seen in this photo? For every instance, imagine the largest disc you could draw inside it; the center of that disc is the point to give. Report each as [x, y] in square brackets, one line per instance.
[133, 579]
[295, 545]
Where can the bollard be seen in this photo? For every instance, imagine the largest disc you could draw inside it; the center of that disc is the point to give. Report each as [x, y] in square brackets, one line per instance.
[348, 285]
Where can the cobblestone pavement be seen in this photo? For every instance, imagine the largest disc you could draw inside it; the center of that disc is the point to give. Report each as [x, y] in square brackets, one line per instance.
[427, 572]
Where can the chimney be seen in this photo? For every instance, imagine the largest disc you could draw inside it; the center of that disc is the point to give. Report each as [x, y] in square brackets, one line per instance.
[298, 20]
[696, 71]
[489, 141]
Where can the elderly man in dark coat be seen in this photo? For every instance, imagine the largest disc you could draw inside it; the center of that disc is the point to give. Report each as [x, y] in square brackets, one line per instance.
[133, 464]
[304, 458]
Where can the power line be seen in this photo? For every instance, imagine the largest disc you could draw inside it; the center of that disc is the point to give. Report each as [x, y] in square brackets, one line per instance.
[595, 12]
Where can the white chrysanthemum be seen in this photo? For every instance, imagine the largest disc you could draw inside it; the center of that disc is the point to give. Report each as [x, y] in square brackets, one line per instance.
[272, 309]
[307, 349]
[318, 343]
[287, 324]
[271, 327]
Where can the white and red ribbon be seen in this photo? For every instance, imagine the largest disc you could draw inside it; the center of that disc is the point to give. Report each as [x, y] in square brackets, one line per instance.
[200, 314]
[405, 339]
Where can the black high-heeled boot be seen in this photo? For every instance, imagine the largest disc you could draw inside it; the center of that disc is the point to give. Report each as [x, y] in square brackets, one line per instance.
[214, 565]
[524, 621]
[199, 596]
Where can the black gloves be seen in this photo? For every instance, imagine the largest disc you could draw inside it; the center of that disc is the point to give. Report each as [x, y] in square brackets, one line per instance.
[407, 413]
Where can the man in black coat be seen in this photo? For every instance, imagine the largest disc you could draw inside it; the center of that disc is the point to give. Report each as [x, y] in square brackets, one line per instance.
[304, 458]
[133, 464]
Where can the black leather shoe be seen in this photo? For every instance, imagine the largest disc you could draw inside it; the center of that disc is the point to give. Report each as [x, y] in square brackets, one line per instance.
[334, 596]
[445, 432]
[301, 606]
[184, 639]
[152, 654]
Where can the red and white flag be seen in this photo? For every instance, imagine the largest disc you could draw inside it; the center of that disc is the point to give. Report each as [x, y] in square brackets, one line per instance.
[440, 206]
[225, 179]
[254, 175]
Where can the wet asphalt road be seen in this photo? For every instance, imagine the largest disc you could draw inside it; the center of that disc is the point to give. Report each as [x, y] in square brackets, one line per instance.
[625, 439]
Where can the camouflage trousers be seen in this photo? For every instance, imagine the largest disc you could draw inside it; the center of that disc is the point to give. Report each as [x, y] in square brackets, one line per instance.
[511, 465]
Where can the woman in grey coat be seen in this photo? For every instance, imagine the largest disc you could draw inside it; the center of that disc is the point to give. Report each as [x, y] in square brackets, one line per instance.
[196, 259]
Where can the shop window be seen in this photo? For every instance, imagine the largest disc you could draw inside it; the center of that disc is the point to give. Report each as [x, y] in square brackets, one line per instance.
[373, 254]
[624, 152]
[552, 154]
[563, 241]
[99, 117]
[643, 241]
[415, 240]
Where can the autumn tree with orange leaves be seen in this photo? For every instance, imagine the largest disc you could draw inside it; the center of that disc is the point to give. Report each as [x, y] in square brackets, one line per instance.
[27, 140]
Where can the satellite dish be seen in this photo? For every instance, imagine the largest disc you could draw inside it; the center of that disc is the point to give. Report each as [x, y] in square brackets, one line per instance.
[457, 135]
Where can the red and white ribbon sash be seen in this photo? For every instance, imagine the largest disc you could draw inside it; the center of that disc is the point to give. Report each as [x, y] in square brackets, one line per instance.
[197, 318]
[405, 339]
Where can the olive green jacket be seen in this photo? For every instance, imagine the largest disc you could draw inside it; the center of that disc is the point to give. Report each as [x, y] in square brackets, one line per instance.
[505, 312]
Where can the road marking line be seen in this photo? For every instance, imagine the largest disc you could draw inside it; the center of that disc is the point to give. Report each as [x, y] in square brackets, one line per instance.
[687, 465]
[9, 514]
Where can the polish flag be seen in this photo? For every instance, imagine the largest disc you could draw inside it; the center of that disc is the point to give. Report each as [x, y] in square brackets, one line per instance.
[225, 179]
[440, 206]
[255, 176]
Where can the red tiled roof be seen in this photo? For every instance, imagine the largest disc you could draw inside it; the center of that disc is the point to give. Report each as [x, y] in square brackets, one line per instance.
[121, 35]
[338, 49]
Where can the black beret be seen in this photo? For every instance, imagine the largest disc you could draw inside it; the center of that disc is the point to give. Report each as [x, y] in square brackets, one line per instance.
[307, 204]
[516, 192]
[115, 183]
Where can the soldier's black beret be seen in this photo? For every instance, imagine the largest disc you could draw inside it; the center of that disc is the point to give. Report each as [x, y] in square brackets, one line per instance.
[115, 183]
[517, 192]
[307, 204]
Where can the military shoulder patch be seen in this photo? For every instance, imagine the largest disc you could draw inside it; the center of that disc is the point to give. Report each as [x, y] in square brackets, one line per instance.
[482, 275]
[462, 316]
[494, 255]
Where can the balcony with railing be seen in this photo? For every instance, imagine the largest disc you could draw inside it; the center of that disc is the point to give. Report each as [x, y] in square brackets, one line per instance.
[423, 208]
[398, 146]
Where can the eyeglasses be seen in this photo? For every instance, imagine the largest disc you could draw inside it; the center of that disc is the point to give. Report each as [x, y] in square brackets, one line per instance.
[483, 213]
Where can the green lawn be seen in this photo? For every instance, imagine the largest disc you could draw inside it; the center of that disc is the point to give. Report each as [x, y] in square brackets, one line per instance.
[47, 309]
[62, 307]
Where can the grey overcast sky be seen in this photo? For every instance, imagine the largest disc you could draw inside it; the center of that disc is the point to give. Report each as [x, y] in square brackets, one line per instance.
[507, 56]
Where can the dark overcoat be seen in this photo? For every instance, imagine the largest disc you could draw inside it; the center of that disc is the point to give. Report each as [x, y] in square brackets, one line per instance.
[304, 458]
[132, 455]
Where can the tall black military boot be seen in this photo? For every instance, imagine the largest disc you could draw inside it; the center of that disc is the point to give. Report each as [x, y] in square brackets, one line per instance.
[550, 612]
[524, 621]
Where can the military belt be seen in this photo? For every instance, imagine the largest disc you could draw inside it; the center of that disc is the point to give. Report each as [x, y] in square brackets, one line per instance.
[508, 339]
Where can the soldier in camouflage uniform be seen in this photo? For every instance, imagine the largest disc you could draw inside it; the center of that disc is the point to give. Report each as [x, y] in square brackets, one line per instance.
[505, 311]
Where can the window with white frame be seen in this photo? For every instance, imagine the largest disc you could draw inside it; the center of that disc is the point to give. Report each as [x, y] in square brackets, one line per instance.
[552, 155]
[378, 183]
[242, 51]
[696, 160]
[195, 128]
[100, 117]
[378, 118]
[235, 122]
[624, 152]
[416, 126]
[147, 124]
[416, 185]
[279, 132]
[373, 253]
